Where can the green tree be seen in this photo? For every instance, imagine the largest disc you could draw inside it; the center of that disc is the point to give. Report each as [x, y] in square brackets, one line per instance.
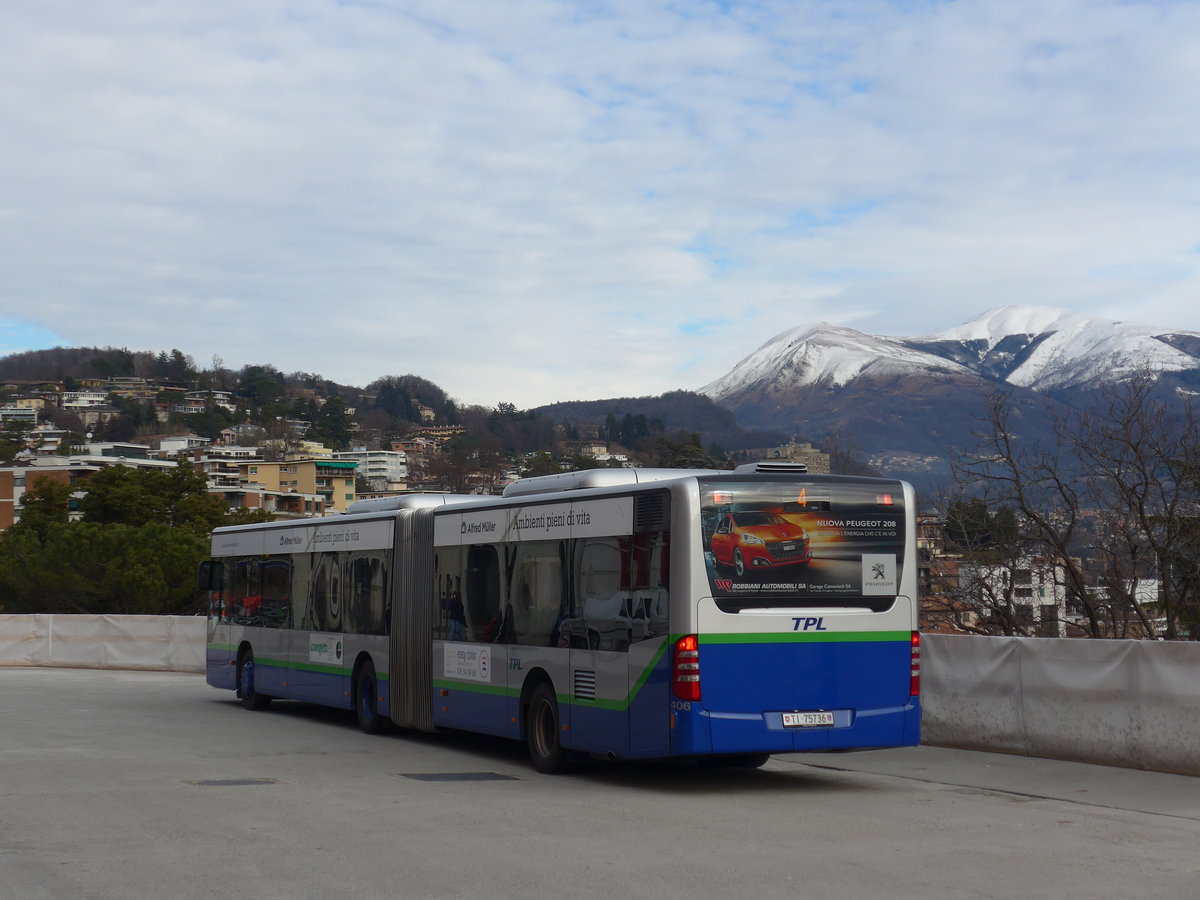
[134, 496]
[71, 444]
[109, 569]
[540, 464]
[45, 502]
[971, 527]
[12, 438]
[333, 424]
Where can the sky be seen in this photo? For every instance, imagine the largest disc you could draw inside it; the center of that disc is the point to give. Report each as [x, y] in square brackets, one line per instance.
[529, 201]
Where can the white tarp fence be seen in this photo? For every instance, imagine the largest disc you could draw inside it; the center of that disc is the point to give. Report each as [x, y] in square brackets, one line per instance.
[1125, 703]
[174, 643]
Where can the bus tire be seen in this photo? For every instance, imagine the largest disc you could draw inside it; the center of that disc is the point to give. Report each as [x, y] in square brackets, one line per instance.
[752, 760]
[542, 733]
[366, 704]
[736, 761]
[251, 698]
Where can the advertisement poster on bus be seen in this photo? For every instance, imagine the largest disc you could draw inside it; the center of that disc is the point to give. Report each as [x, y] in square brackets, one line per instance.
[802, 543]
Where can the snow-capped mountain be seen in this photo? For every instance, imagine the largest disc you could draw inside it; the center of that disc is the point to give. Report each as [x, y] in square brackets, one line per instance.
[1035, 347]
[919, 396]
[826, 354]
[1044, 348]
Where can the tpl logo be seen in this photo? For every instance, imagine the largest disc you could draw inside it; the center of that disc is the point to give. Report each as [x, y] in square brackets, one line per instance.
[811, 623]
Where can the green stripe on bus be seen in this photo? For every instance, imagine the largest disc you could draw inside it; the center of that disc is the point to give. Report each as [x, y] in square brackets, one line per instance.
[319, 668]
[809, 637]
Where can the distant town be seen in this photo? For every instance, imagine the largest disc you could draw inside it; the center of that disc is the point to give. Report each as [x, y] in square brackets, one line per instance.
[278, 446]
[65, 431]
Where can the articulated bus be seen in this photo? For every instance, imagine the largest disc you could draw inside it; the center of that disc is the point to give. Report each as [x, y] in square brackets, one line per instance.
[618, 613]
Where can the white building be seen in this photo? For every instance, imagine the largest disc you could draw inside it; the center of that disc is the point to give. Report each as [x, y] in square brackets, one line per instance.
[82, 399]
[1034, 587]
[201, 399]
[386, 470]
[18, 414]
[183, 443]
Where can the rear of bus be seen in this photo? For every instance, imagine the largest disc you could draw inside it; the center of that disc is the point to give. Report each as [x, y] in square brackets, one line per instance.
[803, 634]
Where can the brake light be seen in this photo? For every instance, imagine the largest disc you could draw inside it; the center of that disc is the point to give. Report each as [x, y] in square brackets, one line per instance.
[914, 683]
[884, 500]
[685, 668]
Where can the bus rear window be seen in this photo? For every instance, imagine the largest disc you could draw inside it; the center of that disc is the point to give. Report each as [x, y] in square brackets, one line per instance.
[795, 544]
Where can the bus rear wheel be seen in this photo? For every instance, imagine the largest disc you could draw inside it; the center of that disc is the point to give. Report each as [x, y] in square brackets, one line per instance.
[366, 703]
[251, 698]
[736, 761]
[542, 733]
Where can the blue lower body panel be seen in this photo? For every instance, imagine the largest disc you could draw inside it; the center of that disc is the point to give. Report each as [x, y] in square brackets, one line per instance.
[747, 687]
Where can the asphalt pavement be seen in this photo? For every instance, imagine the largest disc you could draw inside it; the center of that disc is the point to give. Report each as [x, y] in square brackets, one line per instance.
[129, 785]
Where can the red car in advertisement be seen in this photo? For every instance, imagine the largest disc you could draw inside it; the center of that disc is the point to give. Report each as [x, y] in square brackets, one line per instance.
[754, 539]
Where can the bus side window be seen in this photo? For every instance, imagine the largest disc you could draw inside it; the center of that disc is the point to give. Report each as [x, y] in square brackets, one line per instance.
[275, 574]
[651, 584]
[326, 606]
[447, 583]
[536, 592]
[246, 594]
[602, 593]
[365, 596]
[481, 597]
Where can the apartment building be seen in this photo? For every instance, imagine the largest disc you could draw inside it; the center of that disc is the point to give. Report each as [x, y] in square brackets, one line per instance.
[331, 479]
[386, 470]
[76, 400]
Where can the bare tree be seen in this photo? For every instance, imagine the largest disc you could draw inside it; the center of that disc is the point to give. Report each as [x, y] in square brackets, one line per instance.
[1104, 505]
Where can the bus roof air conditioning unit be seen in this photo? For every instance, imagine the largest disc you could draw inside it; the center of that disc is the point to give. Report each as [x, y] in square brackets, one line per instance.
[770, 465]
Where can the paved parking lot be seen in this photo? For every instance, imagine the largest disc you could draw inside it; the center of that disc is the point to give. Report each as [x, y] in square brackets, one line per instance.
[152, 785]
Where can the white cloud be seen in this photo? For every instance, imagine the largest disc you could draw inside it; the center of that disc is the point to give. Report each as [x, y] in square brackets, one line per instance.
[538, 201]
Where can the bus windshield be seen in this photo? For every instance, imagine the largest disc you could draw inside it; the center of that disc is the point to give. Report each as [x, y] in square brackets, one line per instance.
[795, 543]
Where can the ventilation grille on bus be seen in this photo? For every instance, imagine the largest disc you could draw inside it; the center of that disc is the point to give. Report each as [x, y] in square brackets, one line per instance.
[585, 685]
[769, 466]
[650, 513]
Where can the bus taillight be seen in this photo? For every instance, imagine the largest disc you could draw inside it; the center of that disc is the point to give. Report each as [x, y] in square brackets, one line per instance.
[914, 682]
[685, 668]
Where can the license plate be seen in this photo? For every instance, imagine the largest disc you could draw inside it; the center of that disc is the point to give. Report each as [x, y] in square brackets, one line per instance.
[807, 719]
[787, 548]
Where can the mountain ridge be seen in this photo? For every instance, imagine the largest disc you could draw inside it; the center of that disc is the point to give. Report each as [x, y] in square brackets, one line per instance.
[922, 396]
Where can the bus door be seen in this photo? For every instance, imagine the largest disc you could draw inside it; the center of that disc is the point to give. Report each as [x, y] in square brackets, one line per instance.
[535, 622]
[318, 668]
[251, 604]
[599, 632]
[649, 657]
[216, 581]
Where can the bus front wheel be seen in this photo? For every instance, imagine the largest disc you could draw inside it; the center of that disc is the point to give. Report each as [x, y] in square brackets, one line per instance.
[542, 732]
[251, 698]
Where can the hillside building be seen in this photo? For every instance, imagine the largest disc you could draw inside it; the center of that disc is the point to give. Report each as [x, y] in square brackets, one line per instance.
[385, 470]
[331, 479]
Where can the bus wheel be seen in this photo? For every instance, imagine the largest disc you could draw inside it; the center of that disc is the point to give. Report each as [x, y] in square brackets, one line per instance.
[542, 732]
[251, 698]
[736, 761]
[366, 705]
[752, 760]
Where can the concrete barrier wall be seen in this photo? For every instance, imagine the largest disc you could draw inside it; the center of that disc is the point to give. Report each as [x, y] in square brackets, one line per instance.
[173, 643]
[1124, 703]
